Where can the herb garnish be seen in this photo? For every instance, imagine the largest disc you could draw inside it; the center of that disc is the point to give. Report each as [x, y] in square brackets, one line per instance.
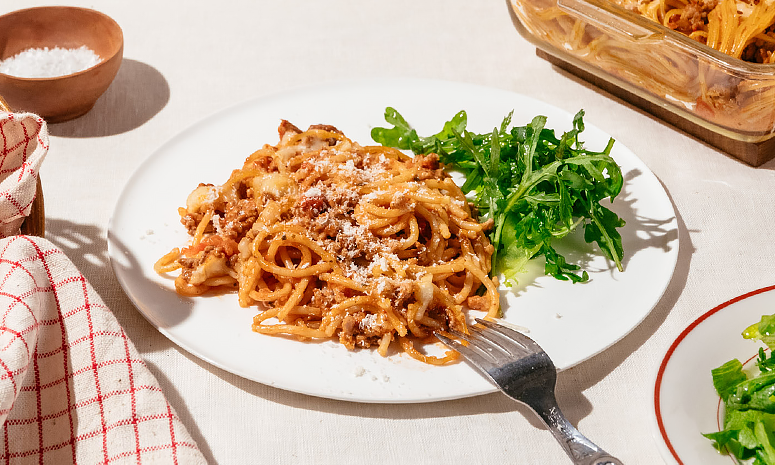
[537, 188]
[749, 401]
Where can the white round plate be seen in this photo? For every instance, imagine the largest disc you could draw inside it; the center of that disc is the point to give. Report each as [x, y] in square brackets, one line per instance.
[685, 402]
[571, 321]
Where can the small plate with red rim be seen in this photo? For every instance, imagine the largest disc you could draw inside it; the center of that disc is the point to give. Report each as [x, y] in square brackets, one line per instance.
[686, 404]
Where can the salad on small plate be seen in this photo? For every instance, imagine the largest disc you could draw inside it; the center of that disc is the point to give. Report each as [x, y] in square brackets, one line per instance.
[714, 395]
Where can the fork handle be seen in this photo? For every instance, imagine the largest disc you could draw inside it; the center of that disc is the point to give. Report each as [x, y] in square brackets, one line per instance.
[581, 450]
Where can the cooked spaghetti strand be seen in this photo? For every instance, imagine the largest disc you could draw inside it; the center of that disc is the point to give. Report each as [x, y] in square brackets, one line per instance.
[329, 239]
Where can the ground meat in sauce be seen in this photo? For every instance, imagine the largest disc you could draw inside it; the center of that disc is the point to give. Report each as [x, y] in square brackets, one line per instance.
[721, 99]
[189, 264]
[403, 291]
[349, 324]
[326, 127]
[432, 169]
[693, 17]
[239, 220]
[287, 128]
[326, 212]
[190, 221]
[754, 53]
[312, 204]
[429, 162]
[476, 302]
[357, 332]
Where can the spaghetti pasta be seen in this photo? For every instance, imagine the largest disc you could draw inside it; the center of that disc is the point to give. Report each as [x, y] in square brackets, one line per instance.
[734, 93]
[739, 29]
[330, 239]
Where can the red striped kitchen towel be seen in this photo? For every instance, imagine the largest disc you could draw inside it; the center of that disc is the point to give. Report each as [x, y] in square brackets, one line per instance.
[73, 388]
[23, 146]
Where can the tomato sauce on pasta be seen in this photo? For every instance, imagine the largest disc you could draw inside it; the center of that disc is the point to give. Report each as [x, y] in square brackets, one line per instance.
[329, 239]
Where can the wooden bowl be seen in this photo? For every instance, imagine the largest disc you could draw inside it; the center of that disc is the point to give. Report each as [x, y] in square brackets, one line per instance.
[61, 98]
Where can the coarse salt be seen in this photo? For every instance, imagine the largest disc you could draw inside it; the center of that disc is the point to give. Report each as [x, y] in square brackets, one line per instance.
[49, 62]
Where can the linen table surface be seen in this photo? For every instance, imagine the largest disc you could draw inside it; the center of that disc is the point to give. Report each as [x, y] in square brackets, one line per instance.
[184, 61]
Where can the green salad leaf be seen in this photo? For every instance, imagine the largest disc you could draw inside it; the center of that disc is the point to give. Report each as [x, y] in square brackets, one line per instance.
[727, 377]
[749, 402]
[763, 331]
[536, 187]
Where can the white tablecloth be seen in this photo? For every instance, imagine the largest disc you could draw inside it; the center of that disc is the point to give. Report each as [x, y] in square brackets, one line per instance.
[183, 60]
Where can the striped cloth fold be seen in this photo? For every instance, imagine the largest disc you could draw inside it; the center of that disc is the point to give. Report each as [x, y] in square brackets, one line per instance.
[73, 388]
[23, 146]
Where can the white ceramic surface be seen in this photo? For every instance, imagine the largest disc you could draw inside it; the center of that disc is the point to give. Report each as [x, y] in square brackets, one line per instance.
[685, 402]
[571, 321]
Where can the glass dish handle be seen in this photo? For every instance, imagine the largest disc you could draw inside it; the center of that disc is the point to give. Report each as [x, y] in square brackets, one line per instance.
[608, 21]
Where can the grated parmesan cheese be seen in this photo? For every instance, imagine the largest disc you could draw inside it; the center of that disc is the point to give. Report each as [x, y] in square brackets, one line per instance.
[217, 223]
[313, 192]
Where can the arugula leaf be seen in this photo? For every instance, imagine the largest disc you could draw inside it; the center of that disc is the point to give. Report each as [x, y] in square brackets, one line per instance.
[536, 187]
[402, 136]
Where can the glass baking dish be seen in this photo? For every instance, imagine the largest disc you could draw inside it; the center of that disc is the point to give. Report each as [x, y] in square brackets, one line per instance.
[725, 101]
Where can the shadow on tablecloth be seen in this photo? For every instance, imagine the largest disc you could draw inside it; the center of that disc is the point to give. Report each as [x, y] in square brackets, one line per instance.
[86, 246]
[137, 94]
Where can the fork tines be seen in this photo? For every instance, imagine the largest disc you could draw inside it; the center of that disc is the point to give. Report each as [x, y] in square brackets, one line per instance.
[490, 344]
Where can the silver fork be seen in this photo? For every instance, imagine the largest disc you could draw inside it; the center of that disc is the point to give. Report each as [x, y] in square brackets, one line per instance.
[522, 370]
